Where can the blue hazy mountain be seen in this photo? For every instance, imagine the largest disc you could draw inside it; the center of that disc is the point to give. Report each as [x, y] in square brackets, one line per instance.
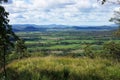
[54, 27]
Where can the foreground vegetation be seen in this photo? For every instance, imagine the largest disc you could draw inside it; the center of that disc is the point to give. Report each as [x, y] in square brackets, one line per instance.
[64, 68]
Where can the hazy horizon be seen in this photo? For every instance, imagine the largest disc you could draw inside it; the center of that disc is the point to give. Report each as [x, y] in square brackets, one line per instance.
[61, 24]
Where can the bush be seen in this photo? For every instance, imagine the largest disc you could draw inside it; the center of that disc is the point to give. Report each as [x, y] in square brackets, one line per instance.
[88, 51]
[112, 48]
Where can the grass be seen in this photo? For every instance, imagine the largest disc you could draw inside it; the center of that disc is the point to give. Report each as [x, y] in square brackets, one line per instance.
[64, 68]
[72, 46]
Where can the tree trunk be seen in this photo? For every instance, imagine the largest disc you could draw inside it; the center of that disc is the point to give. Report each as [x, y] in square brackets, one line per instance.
[4, 63]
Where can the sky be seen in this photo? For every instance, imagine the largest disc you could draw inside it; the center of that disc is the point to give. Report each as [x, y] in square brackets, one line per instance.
[65, 12]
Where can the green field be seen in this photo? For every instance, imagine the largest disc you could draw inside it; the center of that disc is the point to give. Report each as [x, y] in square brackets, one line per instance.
[65, 41]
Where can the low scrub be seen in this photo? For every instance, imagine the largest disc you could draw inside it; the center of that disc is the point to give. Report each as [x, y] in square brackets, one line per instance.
[63, 68]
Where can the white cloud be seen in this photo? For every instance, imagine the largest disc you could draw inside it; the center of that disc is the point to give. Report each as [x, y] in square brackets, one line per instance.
[117, 9]
[57, 11]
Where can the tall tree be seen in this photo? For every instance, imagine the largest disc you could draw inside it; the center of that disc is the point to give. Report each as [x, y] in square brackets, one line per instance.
[116, 17]
[6, 37]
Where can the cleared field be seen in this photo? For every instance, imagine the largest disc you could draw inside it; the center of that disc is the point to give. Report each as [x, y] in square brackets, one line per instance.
[65, 41]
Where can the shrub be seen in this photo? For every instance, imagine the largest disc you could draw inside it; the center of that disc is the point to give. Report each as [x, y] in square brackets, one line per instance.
[112, 48]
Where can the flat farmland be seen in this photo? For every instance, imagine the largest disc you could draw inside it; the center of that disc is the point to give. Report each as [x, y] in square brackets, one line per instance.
[60, 42]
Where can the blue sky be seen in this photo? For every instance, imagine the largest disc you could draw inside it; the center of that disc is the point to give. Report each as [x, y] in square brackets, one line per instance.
[66, 12]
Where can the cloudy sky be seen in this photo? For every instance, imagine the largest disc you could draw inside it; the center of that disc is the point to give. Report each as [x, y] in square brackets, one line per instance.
[66, 12]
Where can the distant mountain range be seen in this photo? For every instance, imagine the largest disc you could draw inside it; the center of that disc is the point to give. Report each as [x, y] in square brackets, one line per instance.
[54, 27]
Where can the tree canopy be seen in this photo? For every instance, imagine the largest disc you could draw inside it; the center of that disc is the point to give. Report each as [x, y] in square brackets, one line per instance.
[3, 1]
[7, 37]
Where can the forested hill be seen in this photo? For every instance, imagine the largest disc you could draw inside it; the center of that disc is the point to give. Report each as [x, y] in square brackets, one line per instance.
[32, 27]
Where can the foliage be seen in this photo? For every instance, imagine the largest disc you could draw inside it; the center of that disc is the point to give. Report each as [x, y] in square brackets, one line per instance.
[117, 33]
[88, 50]
[64, 68]
[6, 34]
[103, 1]
[112, 47]
[116, 17]
[3, 1]
[110, 1]
[20, 48]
